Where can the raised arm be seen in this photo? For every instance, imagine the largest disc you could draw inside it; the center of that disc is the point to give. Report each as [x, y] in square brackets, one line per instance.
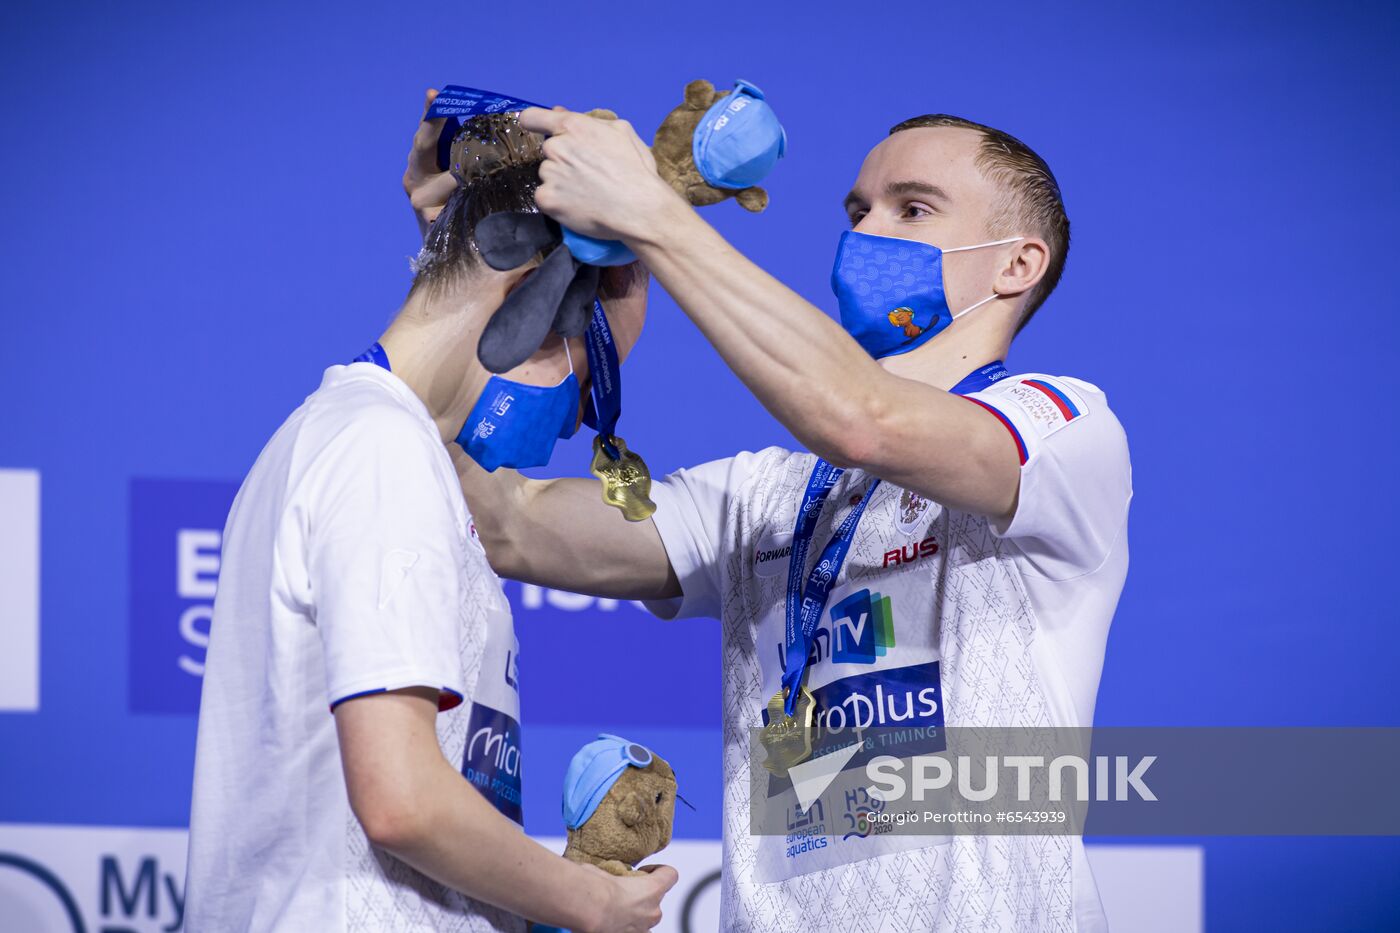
[427, 187]
[600, 179]
[559, 533]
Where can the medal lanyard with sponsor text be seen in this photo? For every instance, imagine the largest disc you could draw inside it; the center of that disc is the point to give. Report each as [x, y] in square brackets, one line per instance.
[804, 607]
[626, 480]
[605, 401]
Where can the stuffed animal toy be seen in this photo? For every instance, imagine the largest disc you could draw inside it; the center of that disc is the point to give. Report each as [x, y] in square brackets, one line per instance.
[675, 145]
[619, 804]
[711, 147]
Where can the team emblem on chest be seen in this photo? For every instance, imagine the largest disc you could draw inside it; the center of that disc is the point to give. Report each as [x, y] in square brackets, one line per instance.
[912, 507]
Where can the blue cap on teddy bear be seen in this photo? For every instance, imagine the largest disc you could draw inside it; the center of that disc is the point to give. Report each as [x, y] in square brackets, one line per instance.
[739, 139]
[736, 144]
[593, 772]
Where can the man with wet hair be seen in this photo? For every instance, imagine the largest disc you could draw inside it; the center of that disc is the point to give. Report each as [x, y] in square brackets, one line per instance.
[358, 762]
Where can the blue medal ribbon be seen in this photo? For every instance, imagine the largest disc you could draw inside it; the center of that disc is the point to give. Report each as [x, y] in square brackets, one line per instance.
[804, 611]
[376, 355]
[979, 379]
[605, 401]
[804, 608]
[456, 103]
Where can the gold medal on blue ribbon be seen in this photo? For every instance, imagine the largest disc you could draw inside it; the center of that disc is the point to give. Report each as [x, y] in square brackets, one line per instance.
[788, 735]
[788, 739]
[626, 479]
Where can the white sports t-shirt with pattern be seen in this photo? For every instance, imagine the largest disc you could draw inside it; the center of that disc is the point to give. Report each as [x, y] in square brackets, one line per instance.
[1006, 625]
[348, 568]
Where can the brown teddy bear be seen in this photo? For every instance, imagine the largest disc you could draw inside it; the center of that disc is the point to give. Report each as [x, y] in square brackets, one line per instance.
[672, 149]
[619, 805]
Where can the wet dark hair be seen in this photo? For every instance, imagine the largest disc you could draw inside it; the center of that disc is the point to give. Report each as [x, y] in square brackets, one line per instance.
[498, 169]
[449, 250]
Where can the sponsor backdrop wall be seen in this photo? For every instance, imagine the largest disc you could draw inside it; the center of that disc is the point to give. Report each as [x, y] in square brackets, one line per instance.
[203, 210]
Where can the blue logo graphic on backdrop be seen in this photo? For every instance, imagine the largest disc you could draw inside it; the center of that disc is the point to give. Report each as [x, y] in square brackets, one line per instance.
[176, 531]
[491, 760]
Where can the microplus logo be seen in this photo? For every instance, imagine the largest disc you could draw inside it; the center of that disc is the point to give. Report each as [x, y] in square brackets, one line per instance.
[910, 697]
[491, 759]
[864, 628]
[174, 551]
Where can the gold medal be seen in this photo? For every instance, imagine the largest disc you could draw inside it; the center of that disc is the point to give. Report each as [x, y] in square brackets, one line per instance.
[626, 480]
[788, 739]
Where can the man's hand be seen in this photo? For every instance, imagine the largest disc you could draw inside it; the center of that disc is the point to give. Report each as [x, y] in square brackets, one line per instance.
[634, 902]
[427, 188]
[598, 178]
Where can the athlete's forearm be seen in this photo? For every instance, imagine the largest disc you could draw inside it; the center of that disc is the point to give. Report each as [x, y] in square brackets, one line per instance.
[559, 533]
[463, 842]
[798, 362]
[413, 803]
[823, 387]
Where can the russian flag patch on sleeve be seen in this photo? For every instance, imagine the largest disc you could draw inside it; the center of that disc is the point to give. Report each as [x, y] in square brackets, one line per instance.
[1048, 405]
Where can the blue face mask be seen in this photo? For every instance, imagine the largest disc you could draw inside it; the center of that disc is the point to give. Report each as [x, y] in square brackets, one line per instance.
[739, 139]
[515, 425]
[890, 291]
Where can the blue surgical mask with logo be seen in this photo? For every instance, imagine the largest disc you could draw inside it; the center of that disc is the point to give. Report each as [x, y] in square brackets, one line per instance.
[739, 139]
[515, 425]
[890, 291]
[512, 424]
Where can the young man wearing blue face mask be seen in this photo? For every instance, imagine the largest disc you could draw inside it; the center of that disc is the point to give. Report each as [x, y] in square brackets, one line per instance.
[359, 755]
[985, 511]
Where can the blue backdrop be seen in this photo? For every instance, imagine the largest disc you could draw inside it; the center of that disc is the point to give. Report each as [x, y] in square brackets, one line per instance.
[202, 209]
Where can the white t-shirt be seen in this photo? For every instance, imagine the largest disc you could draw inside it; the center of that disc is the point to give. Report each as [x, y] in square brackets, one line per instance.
[1006, 627]
[349, 567]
